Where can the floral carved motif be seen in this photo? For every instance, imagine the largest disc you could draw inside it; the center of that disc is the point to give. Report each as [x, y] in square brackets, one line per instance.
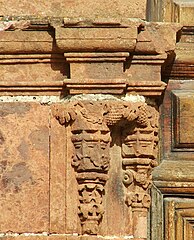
[91, 125]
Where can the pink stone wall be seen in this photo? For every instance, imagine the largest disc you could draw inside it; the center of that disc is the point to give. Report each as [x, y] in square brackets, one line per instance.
[75, 8]
[43, 193]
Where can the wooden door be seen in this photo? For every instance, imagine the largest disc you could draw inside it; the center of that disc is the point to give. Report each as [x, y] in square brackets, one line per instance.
[172, 212]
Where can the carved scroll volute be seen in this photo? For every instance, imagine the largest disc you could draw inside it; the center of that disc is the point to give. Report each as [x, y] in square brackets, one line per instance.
[139, 151]
[91, 141]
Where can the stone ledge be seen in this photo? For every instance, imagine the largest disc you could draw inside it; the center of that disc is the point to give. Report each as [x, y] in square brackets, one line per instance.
[44, 236]
[116, 86]
[30, 88]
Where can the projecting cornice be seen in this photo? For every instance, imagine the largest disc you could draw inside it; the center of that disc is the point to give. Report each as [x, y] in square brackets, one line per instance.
[130, 35]
[116, 56]
[108, 44]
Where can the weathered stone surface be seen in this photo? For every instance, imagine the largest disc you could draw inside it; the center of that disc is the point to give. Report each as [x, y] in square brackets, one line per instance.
[105, 36]
[117, 219]
[97, 70]
[81, 169]
[63, 185]
[94, 49]
[24, 167]
[57, 179]
[26, 41]
[135, 149]
[78, 8]
[32, 72]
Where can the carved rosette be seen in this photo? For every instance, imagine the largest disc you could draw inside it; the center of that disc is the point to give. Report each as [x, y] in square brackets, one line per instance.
[91, 123]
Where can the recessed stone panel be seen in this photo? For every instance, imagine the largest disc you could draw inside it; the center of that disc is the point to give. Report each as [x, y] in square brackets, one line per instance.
[24, 167]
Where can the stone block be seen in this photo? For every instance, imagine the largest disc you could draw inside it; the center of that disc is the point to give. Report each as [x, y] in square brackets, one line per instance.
[97, 70]
[63, 185]
[32, 72]
[78, 8]
[24, 167]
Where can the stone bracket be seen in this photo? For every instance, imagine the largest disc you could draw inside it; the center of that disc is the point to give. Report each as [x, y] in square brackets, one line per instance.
[91, 125]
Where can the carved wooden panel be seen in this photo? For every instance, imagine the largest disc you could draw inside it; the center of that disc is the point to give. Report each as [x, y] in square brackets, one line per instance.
[177, 121]
[179, 219]
[172, 218]
[175, 174]
[183, 120]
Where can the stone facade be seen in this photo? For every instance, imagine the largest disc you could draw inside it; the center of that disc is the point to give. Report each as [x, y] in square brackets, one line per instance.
[80, 91]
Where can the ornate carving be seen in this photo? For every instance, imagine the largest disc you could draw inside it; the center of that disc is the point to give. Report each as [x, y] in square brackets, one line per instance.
[91, 150]
[91, 190]
[139, 151]
[123, 113]
[137, 195]
[91, 140]
[91, 123]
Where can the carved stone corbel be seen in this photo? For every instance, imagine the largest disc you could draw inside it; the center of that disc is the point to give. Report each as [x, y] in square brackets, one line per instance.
[91, 125]
[91, 141]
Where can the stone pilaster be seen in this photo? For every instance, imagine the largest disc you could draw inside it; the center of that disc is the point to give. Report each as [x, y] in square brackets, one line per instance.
[139, 152]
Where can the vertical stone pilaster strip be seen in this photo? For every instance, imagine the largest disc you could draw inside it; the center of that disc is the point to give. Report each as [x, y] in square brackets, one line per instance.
[139, 152]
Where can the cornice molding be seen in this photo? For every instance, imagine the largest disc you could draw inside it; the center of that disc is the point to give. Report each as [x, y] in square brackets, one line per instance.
[105, 55]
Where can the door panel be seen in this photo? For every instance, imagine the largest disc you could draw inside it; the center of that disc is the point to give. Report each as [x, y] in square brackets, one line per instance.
[179, 218]
[174, 177]
[172, 213]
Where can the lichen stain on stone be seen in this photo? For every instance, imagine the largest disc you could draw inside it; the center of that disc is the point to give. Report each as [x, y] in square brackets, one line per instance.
[23, 149]
[40, 138]
[14, 108]
[6, 153]
[18, 176]
[3, 166]
[118, 188]
[2, 139]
